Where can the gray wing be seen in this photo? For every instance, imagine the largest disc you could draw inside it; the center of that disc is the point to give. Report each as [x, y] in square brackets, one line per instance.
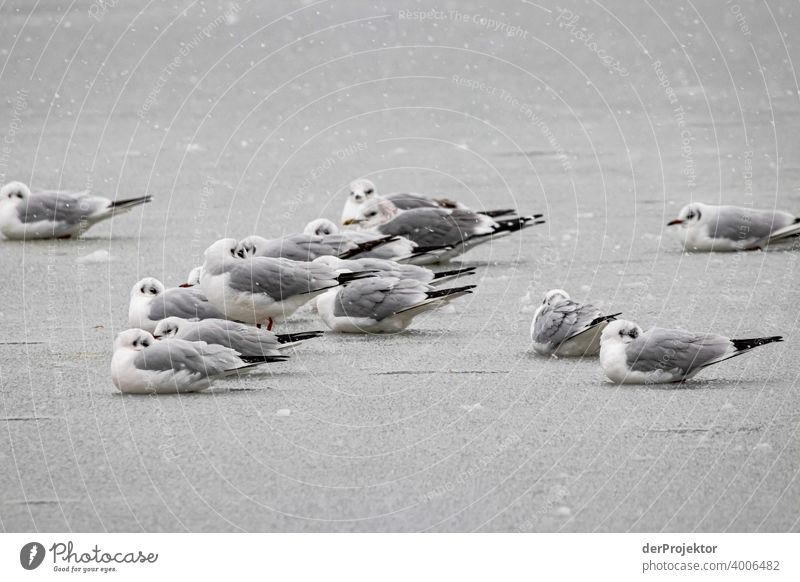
[559, 322]
[280, 278]
[737, 223]
[409, 201]
[671, 349]
[245, 339]
[180, 355]
[378, 298]
[298, 247]
[184, 302]
[388, 268]
[56, 207]
[432, 227]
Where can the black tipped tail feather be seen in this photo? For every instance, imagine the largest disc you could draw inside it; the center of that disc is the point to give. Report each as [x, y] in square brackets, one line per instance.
[603, 318]
[515, 224]
[743, 345]
[365, 247]
[345, 278]
[286, 338]
[440, 293]
[256, 360]
[497, 213]
[129, 202]
[454, 273]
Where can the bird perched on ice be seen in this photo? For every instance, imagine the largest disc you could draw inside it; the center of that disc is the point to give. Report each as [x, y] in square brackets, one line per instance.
[430, 228]
[245, 339]
[26, 215]
[563, 327]
[382, 304]
[143, 365]
[362, 191]
[150, 302]
[263, 290]
[704, 227]
[629, 355]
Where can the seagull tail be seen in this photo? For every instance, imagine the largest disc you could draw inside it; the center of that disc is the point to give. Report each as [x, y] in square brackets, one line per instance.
[291, 338]
[450, 293]
[451, 274]
[368, 246]
[603, 318]
[745, 345]
[348, 277]
[129, 203]
[742, 346]
[515, 224]
[258, 360]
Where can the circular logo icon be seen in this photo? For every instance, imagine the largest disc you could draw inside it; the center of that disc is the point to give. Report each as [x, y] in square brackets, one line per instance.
[31, 555]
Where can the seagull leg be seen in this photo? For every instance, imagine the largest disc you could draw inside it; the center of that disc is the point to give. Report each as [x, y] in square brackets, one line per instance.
[269, 325]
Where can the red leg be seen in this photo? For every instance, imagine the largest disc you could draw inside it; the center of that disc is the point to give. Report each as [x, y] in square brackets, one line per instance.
[269, 325]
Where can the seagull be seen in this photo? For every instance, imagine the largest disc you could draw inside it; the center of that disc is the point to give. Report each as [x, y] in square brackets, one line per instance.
[260, 290]
[150, 302]
[364, 190]
[562, 327]
[26, 215]
[306, 247]
[245, 339]
[386, 268]
[458, 230]
[382, 305]
[398, 248]
[142, 365]
[630, 356]
[703, 227]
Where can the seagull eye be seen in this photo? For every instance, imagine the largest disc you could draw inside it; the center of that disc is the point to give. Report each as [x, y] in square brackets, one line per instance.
[690, 215]
[143, 289]
[621, 333]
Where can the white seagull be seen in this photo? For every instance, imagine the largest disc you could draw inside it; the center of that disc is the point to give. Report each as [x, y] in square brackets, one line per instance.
[26, 215]
[150, 302]
[382, 305]
[364, 190]
[563, 327]
[245, 339]
[438, 228]
[307, 247]
[259, 290]
[703, 227]
[142, 365]
[630, 356]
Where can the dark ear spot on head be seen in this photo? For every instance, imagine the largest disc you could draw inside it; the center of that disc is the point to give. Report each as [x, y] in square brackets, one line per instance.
[634, 333]
[699, 214]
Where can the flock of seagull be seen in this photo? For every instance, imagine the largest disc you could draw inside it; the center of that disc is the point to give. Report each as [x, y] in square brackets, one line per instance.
[372, 275]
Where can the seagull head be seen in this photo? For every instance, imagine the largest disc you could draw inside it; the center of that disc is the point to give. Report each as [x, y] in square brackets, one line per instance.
[148, 288]
[222, 251]
[193, 278]
[361, 191]
[14, 192]
[690, 215]
[374, 213]
[133, 339]
[168, 327]
[621, 331]
[555, 296]
[248, 246]
[321, 227]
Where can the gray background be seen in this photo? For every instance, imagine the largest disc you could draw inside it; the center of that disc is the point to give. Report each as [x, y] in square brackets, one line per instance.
[259, 125]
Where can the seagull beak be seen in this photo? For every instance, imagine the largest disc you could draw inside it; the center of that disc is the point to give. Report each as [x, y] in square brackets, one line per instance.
[185, 285]
[350, 221]
[674, 222]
